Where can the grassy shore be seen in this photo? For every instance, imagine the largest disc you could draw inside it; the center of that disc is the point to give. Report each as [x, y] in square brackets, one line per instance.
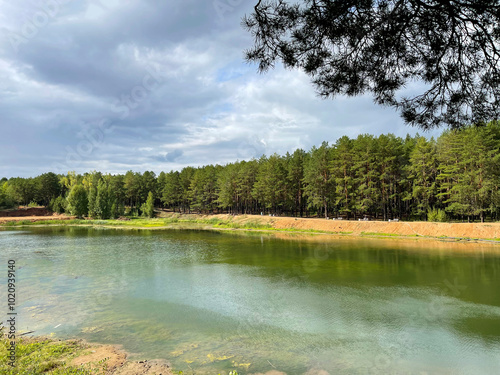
[44, 356]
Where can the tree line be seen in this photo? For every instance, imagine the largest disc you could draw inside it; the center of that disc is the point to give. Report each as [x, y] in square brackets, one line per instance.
[453, 177]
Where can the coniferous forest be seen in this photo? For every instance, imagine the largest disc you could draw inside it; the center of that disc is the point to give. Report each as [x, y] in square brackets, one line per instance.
[453, 178]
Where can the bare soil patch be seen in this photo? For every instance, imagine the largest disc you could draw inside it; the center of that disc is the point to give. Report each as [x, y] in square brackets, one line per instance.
[33, 219]
[113, 361]
[31, 214]
[29, 211]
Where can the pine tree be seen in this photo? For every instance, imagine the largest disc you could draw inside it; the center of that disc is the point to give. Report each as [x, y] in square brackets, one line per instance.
[185, 177]
[269, 188]
[295, 178]
[245, 181]
[226, 187]
[423, 170]
[365, 176]
[320, 188]
[342, 172]
[172, 190]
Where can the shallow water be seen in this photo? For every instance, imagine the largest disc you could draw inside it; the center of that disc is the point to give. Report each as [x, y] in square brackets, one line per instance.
[212, 301]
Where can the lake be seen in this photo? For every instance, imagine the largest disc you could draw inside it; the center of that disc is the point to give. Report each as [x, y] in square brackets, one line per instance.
[213, 301]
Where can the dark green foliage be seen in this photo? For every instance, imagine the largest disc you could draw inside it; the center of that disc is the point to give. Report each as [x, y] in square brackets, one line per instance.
[92, 206]
[160, 186]
[296, 183]
[319, 183]
[117, 210]
[147, 183]
[380, 47]
[58, 205]
[148, 208]
[77, 201]
[423, 172]
[270, 184]
[456, 177]
[132, 186]
[103, 202]
[470, 170]
[172, 190]
[21, 190]
[116, 188]
[5, 200]
[47, 188]
[436, 215]
[342, 172]
[202, 189]
[227, 187]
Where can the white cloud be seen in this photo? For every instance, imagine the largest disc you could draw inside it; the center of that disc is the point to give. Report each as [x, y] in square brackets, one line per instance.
[210, 107]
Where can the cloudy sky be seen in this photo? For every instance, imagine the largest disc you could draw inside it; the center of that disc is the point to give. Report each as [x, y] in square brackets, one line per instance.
[114, 85]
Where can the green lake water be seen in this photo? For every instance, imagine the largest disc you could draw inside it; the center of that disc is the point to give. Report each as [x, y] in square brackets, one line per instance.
[210, 302]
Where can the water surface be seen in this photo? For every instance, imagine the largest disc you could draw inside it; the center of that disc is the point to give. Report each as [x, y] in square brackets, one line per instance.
[211, 301]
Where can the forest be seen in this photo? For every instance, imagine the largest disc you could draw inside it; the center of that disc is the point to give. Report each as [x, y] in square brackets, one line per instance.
[455, 177]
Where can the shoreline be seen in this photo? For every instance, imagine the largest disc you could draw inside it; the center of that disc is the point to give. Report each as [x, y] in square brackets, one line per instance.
[78, 356]
[118, 362]
[465, 232]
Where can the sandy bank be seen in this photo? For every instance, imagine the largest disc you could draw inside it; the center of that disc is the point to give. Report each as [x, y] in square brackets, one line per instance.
[31, 214]
[483, 231]
[415, 228]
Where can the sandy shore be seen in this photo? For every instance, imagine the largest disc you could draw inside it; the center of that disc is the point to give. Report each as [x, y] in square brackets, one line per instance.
[487, 231]
[415, 228]
[483, 231]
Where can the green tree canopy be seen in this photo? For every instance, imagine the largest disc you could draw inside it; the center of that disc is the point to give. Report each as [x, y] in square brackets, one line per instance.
[148, 208]
[380, 46]
[78, 201]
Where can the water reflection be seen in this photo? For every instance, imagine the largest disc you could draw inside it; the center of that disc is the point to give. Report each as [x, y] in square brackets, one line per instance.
[214, 301]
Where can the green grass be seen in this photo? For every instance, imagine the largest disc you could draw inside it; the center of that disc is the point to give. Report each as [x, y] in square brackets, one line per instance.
[388, 234]
[49, 357]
